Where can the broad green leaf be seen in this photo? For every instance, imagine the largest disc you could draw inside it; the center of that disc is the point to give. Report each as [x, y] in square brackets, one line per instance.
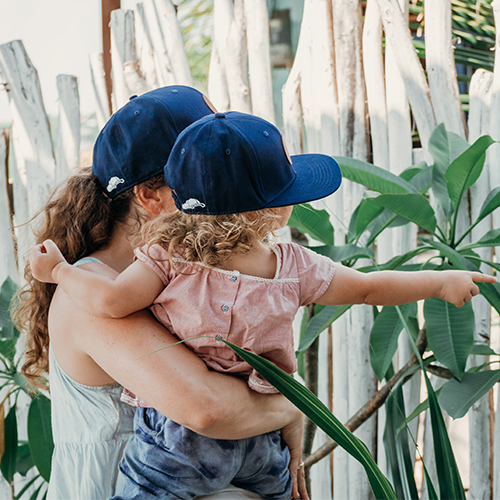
[492, 202]
[423, 406]
[450, 482]
[409, 173]
[24, 460]
[450, 332]
[483, 350]
[374, 178]
[345, 252]
[457, 397]
[366, 212]
[422, 180]
[9, 458]
[26, 487]
[431, 491]
[444, 147]
[300, 355]
[313, 408]
[8, 348]
[413, 207]
[321, 322]
[397, 451]
[399, 260]
[315, 223]
[7, 291]
[40, 434]
[384, 336]
[466, 169]
[489, 239]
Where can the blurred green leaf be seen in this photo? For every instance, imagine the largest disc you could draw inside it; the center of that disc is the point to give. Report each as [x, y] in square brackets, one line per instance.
[9, 458]
[40, 434]
[7, 292]
[450, 333]
[344, 252]
[24, 460]
[315, 223]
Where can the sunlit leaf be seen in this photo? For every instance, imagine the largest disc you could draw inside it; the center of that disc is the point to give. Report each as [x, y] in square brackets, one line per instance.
[315, 223]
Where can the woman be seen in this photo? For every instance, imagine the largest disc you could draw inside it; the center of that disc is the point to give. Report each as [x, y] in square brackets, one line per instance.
[99, 214]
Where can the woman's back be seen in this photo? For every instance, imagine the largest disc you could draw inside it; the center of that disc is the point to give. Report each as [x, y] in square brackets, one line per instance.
[91, 427]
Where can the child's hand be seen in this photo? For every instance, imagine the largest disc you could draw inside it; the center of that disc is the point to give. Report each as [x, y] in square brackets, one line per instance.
[44, 259]
[458, 287]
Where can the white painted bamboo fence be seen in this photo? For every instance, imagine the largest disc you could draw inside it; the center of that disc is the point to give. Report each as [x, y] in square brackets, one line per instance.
[341, 96]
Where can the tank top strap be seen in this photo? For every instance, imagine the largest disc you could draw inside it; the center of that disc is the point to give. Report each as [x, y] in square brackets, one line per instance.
[86, 260]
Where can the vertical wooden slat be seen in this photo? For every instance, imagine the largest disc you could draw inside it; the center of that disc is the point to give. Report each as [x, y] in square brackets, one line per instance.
[259, 58]
[479, 414]
[106, 7]
[144, 48]
[8, 265]
[68, 137]
[103, 109]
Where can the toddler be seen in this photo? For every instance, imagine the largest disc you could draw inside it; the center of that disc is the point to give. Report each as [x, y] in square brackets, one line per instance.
[209, 268]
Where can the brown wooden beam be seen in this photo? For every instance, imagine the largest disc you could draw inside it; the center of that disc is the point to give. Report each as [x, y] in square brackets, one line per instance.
[106, 7]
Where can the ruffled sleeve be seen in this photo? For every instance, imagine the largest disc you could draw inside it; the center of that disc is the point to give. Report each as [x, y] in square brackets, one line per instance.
[315, 273]
[157, 259]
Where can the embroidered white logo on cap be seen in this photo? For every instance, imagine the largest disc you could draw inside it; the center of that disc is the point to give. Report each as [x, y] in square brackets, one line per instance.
[113, 183]
[192, 203]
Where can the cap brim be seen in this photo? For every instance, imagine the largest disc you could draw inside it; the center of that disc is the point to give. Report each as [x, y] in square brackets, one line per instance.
[318, 176]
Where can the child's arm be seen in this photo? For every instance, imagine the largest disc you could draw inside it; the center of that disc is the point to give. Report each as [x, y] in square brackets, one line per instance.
[389, 288]
[132, 290]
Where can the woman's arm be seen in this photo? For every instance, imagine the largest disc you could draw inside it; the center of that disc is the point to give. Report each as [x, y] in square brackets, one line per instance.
[108, 297]
[388, 288]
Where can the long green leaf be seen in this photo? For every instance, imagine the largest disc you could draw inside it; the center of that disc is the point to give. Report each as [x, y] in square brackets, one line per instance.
[450, 482]
[444, 147]
[491, 203]
[366, 212]
[321, 322]
[7, 291]
[489, 239]
[40, 434]
[312, 407]
[457, 397]
[450, 332]
[466, 169]
[384, 337]
[413, 207]
[397, 449]
[315, 223]
[9, 458]
[374, 178]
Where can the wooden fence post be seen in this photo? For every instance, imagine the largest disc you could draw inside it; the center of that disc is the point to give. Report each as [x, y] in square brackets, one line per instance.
[103, 111]
[259, 59]
[8, 265]
[68, 137]
[30, 134]
[144, 48]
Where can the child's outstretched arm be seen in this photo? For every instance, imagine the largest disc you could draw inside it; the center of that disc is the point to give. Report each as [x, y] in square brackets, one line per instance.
[132, 290]
[390, 288]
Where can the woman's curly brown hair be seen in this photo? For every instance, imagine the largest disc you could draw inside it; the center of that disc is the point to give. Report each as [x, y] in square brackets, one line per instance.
[80, 219]
[211, 239]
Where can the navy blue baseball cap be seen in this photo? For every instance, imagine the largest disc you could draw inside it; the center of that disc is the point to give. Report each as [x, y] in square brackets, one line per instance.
[137, 140]
[233, 162]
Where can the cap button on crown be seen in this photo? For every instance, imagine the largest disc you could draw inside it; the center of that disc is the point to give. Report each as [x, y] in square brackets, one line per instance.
[132, 97]
[220, 115]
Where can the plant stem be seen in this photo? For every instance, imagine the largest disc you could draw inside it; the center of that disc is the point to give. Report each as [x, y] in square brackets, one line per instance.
[372, 405]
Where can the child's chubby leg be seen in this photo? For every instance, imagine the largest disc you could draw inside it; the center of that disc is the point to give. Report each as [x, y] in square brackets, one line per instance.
[166, 460]
[265, 467]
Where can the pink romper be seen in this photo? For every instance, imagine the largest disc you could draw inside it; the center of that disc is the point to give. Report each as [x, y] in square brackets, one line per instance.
[253, 313]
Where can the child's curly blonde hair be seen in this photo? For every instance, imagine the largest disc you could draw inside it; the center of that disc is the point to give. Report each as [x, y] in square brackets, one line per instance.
[212, 239]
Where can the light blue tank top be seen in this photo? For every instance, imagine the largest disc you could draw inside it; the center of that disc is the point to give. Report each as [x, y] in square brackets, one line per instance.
[91, 427]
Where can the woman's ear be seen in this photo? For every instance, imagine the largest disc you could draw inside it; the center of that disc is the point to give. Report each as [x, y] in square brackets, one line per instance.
[155, 201]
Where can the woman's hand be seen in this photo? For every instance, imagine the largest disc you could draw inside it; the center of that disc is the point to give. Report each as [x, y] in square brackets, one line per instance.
[458, 287]
[44, 260]
[293, 435]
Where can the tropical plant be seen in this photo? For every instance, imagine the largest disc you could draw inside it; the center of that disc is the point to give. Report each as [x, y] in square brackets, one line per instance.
[30, 458]
[448, 331]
